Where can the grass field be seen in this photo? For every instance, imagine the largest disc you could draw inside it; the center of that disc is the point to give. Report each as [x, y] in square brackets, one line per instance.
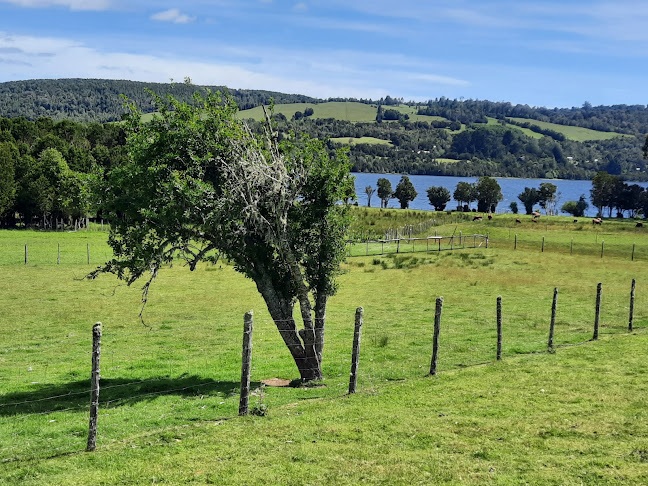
[526, 131]
[355, 141]
[578, 134]
[168, 406]
[340, 110]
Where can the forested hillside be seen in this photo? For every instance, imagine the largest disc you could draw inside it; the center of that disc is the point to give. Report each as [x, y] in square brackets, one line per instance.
[438, 137]
[100, 100]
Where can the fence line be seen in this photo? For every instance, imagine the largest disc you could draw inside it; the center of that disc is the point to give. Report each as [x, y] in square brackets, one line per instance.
[372, 368]
[414, 245]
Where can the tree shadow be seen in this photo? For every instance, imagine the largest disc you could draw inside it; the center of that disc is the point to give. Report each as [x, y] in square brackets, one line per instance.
[114, 392]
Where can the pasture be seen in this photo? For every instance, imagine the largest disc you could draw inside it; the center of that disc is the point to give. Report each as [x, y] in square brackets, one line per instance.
[169, 399]
[578, 134]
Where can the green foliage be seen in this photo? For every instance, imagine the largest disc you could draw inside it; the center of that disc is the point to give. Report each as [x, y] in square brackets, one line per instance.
[385, 192]
[200, 184]
[575, 208]
[405, 192]
[438, 197]
[529, 197]
[489, 193]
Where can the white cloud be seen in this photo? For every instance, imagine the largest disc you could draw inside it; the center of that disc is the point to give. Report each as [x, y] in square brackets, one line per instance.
[300, 7]
[436, 79]
[71, 4]
[173, 15]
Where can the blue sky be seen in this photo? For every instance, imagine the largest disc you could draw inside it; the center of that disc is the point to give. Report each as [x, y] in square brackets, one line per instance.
[549, 53]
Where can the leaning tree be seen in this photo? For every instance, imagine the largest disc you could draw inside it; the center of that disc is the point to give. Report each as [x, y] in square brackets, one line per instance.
[200, 184]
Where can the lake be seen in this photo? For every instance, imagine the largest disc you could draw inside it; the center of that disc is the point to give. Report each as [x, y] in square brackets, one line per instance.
[568, 190]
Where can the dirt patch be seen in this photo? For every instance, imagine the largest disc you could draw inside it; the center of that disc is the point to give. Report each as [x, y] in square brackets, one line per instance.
[276, 382]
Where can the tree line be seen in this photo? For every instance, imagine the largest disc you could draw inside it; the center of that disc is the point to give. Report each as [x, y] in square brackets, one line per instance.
[48, 169]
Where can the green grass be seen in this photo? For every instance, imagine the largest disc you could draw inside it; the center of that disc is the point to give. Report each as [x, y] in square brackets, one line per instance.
[578, 134]
[526, 131]
[538, 418]
[356, 141]
[340, 110]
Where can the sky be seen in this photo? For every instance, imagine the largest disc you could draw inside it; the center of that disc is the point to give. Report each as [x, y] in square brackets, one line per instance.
[537, 52]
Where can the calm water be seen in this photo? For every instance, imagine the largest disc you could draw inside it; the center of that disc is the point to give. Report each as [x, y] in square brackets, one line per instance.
[568, 190]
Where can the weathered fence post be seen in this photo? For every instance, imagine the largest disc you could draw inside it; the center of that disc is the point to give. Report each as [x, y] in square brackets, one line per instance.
[571, 247]
[499, 327]
[487, 238]
[632, 299]
[88, 252]
[26, 255]
[398, 245]
[435, 339]
[367, 246]
[602, 246]
[543, 241]
[58, 258]
[460, 239]
[598, 311]
[552, 324]
[382, 247]
[246, 362]
[94, 387]
[355, 353]
[633, 250]
[515, 244]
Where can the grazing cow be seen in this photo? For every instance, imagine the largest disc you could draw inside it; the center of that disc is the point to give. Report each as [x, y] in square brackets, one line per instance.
[518, 220]
[597, 221]
[639, 225]
[536, 214]
[477, 218]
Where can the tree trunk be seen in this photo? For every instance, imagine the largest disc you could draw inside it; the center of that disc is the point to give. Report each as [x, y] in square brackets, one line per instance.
[302, 344]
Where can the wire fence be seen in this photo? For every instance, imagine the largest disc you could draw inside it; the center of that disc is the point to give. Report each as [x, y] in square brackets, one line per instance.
[156, 379]
[417, 245]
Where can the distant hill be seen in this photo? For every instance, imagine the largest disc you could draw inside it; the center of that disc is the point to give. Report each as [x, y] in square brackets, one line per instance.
[437, 137]
[99, 99]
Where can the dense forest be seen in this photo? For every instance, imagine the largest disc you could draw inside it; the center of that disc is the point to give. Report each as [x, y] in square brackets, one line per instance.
[101, 100]
[465, 137]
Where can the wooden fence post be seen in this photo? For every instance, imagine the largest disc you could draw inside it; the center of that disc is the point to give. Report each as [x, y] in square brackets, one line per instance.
[602, 246]
[355, 353]
[246, 362]
[487, 238]
[552, 324]
[499, 327]
[58, 259]
[571, 247]
[598, 311]
[460, 239]
[543, 241]
[633, 250]
[632, 300]
[515, 244]
[367, 246]
[398, 245]
[26, 255]
[88, 252]
[94, 386]
[435, 339]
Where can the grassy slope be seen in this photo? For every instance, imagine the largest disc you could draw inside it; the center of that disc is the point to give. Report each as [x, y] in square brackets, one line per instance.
[490, 424]
[578, 134]
[526, 131]
[355, 141]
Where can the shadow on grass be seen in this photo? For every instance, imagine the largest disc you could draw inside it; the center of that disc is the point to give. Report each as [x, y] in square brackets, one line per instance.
[75, 395]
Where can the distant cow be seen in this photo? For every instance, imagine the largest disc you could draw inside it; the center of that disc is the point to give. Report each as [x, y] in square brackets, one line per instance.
[477, 218]
[518, 220]
[536, 214]
[490, 216]
[639, 225]
[575, 221]
[597, 221]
